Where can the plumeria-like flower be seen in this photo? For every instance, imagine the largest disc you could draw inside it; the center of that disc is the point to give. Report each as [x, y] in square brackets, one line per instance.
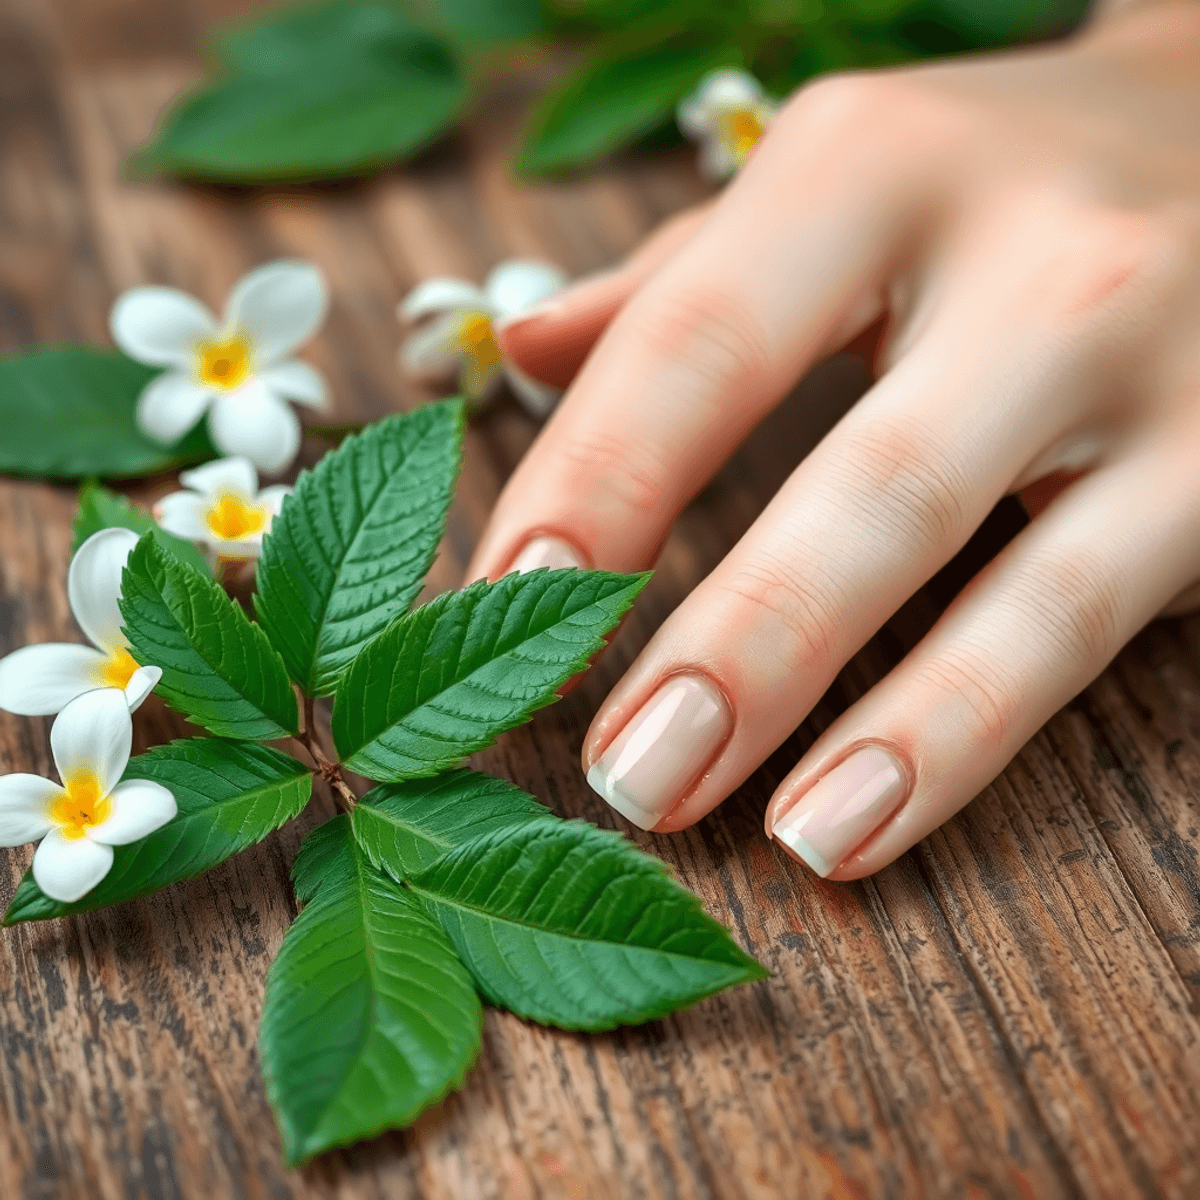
[458, 330]
[238, 370]
[222, 508]
[38, 680]
[727, 114]
[81, 819]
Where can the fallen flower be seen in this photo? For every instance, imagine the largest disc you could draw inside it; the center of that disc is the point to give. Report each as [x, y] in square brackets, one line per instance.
[459, 331]
[238, 371]
[36, 681]
[727, 115]
[84, 817]
[222, 508]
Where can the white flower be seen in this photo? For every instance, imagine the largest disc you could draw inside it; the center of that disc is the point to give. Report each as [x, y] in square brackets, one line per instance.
[84, 817]
[238, 371]
[727, 114]
[38, 680]
[459, 330]
[222, 508]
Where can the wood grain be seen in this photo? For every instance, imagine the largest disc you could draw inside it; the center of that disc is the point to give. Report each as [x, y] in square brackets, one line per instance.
[1009, 1011]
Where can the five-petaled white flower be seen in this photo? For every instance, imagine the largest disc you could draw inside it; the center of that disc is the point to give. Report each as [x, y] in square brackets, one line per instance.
[222, 508]
[38, 680]
[237, 371]
[727, 114]
[459, 324]
[84, 817]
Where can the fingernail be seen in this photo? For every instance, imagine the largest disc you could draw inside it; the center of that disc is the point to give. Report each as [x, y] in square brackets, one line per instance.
[552, 306]
[842, 809]
[547, 308]
[549, 552]
[652, 762]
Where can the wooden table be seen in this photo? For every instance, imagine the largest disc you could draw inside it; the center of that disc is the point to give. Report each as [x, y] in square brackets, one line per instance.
[1009, 1011]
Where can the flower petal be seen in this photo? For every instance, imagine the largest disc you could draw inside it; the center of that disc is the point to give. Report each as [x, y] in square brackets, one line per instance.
[233, 474]
[139, 807]
[170, 405]
[94, 585]
[296, 380]
[253, 421]
[538, 399]
[66, 869]
[160, 325]
[273, 497]
[433, 352]
[94, 733]
[520, 283]
[24, 808]
[439, 295]
[182, 513]
[278, 305]
[39, 680]
[141, 683]
[717, 158]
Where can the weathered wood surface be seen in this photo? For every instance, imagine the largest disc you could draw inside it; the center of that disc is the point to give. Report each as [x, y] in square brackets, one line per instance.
[1008, 1011]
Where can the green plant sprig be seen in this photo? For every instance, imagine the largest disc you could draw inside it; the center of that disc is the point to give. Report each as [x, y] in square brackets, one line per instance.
[440, 885]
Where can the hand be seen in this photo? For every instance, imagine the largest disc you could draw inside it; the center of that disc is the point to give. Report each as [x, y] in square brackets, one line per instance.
[1027, 229]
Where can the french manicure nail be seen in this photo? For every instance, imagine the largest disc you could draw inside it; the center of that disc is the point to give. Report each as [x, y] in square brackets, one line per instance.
[549, 552]
[842, 809]
[649, 766]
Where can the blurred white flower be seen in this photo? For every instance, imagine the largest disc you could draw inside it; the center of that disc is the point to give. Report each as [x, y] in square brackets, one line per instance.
[84, 817]
[222, 508]
[458, 323]
[727, 115]
[38, 680]
[237, 371]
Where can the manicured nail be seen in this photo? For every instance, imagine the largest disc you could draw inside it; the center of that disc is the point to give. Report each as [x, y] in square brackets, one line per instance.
[652, 762]
[549, 552]
[842, 809]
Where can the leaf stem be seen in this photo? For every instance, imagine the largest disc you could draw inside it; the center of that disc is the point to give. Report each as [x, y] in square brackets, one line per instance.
[329, 769]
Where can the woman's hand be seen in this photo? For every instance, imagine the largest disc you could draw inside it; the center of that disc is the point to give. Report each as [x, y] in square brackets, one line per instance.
[1027, 226]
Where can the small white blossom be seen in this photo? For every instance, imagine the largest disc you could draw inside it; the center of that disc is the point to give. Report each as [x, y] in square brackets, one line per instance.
[458, 324]
[38, 680]
[222, 508]
[238, 371]
[727, 115]
[90, 812]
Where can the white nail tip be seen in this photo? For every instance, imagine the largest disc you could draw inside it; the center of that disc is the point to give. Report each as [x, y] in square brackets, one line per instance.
[801, 848]
[601, 783]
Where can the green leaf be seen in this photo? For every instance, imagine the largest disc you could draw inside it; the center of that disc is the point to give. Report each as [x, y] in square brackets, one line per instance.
[230, 795]
[318, 92]
[615, 97]
[68, 413]
[446, 680]
[100, 509]
[403, 827]
[573, 926]
[492, 22]
[369, 1017]
[351, 547]
[219, 669]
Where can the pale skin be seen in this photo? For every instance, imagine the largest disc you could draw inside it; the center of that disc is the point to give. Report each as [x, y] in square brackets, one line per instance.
[1017, 237]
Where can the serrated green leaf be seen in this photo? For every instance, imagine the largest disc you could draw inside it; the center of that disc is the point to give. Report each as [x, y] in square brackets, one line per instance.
[351, 547]
[230, 795]
[68, 413]
[218, 667]
[618, 95]
[492, 22]
[446, 680]
[100, 508]
[574, 926]
[317, 92]
[403, 827]
[369, 1017]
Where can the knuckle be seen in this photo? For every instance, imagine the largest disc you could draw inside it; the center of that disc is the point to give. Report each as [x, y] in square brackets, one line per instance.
[969, 676]
[604, 470]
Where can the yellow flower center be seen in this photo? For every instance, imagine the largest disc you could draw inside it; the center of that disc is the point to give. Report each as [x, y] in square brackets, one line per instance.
[80, 806]
[742, 128]
[119, 669]
[224, 365]
[478, 343]
[232, 517]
